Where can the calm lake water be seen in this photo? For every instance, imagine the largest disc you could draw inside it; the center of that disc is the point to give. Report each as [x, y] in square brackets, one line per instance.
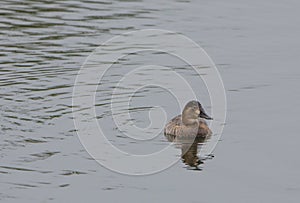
[255, 46]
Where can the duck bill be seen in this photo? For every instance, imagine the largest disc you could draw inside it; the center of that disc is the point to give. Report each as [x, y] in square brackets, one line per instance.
[205, 116]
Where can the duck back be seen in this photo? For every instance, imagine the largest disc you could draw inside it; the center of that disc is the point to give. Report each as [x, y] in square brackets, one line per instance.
[175, 127]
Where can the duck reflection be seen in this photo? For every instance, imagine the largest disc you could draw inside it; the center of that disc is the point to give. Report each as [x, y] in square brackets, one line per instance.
[189, 150]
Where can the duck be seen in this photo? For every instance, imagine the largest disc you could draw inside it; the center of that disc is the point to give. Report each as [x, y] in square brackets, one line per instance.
[190, 123]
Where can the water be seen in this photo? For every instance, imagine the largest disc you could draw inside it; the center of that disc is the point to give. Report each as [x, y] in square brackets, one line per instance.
[255, 47]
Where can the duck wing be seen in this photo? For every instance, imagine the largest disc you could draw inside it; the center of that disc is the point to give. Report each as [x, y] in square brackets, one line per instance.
[173, 125]
[203, 130]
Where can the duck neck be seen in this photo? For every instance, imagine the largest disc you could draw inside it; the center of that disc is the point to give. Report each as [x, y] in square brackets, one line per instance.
[188, 121]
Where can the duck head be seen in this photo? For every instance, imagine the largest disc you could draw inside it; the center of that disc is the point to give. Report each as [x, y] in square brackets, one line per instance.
[192, 111]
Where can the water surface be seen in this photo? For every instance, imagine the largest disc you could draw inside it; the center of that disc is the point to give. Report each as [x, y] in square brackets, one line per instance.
[255, 46]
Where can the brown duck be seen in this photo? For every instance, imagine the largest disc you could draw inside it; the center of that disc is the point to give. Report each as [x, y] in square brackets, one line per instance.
[190, 123]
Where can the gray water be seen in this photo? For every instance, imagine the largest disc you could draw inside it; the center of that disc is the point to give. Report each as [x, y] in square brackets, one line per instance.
[255, 46]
